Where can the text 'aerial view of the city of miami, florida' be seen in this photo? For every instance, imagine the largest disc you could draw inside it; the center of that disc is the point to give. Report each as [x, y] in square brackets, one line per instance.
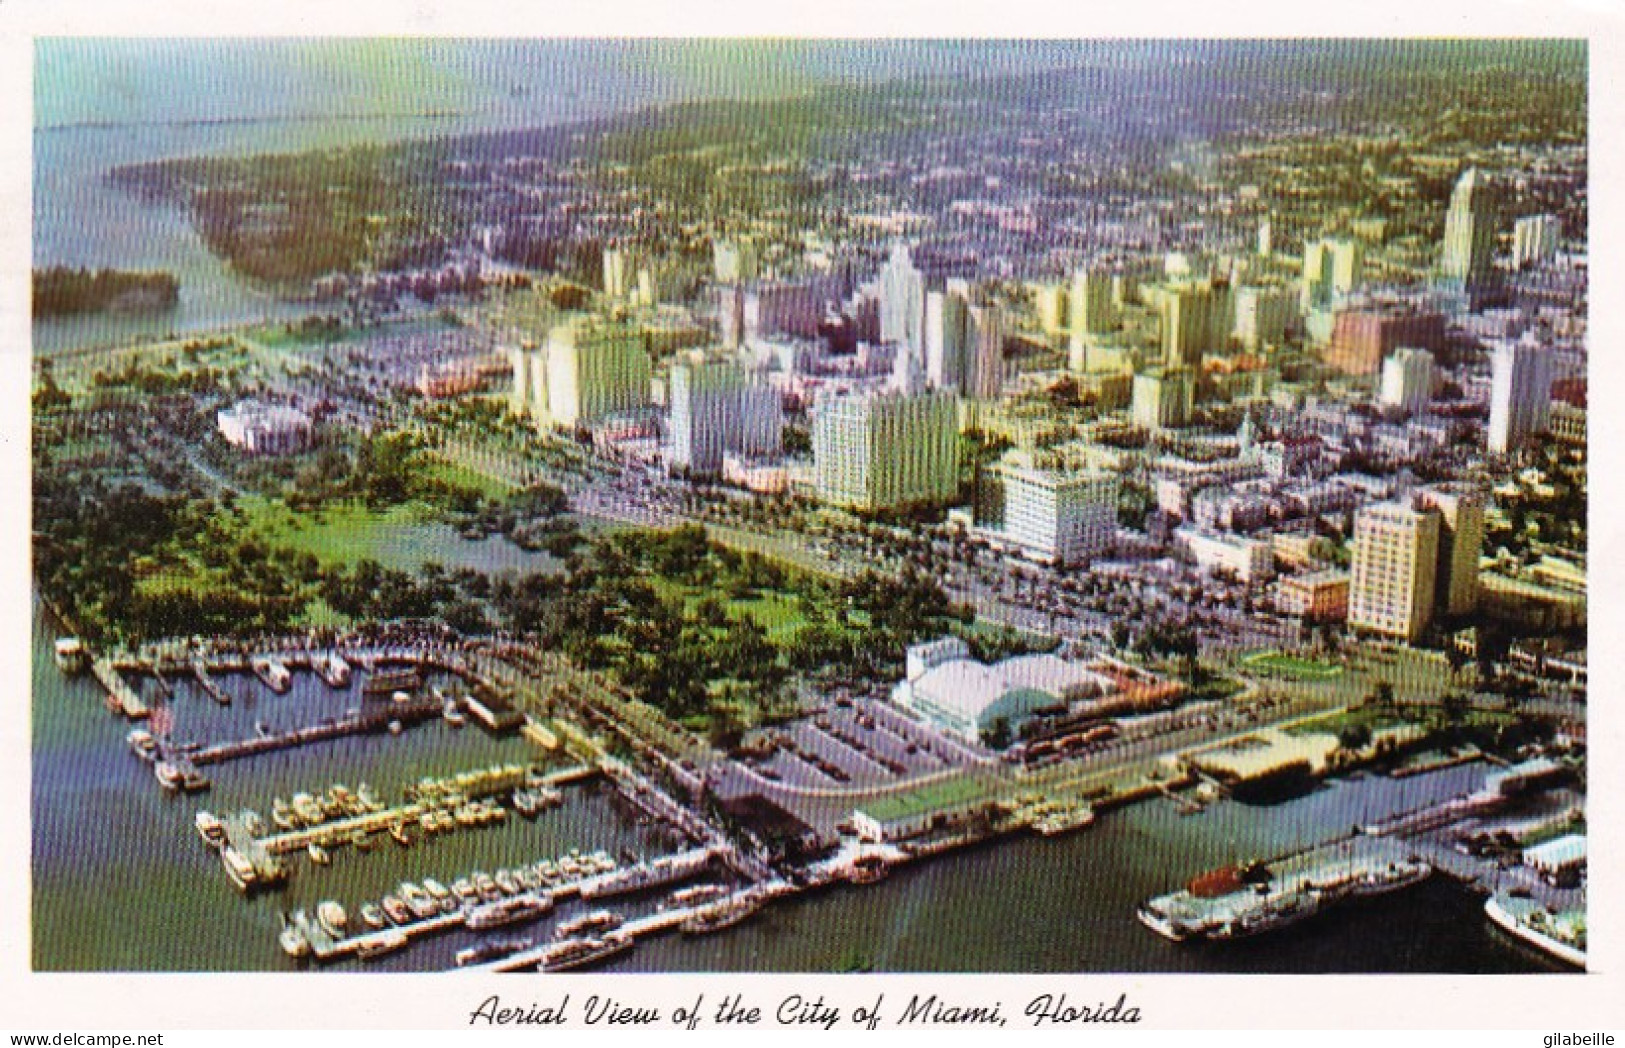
[840, 506]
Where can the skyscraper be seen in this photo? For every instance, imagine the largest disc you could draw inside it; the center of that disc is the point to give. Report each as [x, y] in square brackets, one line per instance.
[1332, 269]
[718, 407]
[984, 344]
[902, 301]
[882, 450]
[1469, 233]
[945, 314]
[1054, 515]
[1090, 303]
[1520, 393]
[1535, 239]
[1188, 322]
[1407, 380]
[595, 369]
[1394, 572]
[1461, 542]
[1163, 398]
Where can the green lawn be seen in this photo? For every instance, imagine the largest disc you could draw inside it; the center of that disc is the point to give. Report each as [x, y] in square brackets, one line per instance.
[1292, 666]
[489, 487]
[938, 795]
[338, 533]
[777, 613]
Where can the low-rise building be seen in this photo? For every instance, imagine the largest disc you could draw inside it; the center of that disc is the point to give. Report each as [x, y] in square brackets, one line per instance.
[1249, 560]
[1319, 596]
[264, 429]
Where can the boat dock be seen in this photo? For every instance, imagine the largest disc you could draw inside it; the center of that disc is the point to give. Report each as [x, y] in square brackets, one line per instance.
[121, 698]
[368, 720]
[200, 671]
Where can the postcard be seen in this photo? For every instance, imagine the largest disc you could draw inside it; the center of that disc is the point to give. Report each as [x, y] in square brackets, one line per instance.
[795, 531]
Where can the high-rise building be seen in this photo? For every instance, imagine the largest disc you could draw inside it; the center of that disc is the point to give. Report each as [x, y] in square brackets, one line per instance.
[595, 368]
[1163, 398]
[1520, 393]
[902, 301]
[1469, 233]
[1407, 380]
[1535, 239]
[1461, 543]
[1332, 270]
[519, 360]
[1090, 303]
[984, 345]
[1266, 243]
[1049, 304]
[945, 315]
[718, 407]
[1188, 324]
[883, 450]
[1053, 515]
[1393, 577]
[1263, 315]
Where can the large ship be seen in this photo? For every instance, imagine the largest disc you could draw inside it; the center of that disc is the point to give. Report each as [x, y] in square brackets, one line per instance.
[722, 914]
[578, 953]
[509, 911]
[1561, 935]
[490, 951]
[143, 744]
[1236, 902]
[596, 921]
[272, 673]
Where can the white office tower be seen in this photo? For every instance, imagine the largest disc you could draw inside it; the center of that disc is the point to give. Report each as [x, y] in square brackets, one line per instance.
[1407, 380]
[717, 407]
[1092, 311]
[1266, 243]
[902, 301]
[882, 450]
[1520, 393]
[1461, 544]
[620, 272]
[908, 372]
[1395, 564]
[595, 368]
[1469, 231]
[1535, 239]
[1332, 270]
[945, 313]
[984, 340]
[1056, 516]
[1263, 315]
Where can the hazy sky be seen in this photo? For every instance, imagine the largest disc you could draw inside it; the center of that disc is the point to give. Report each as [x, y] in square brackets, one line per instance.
[125, 80]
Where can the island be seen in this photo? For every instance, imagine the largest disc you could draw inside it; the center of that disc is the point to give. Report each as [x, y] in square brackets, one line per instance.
[62, 292]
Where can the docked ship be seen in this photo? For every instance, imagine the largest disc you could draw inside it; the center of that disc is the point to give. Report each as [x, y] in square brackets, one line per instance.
[596, 921]
[490, 951]
[384, 942]
[722, 914]
[293, 941]
[332, 669]
[579, 953]
[1053, 824]
[420, 902]
[1236, 902]
[509, 911]
[272, 673]
[71, 656]
[239, 869]
[695, 896]
[662, 871]
[1561, 935]
[331, 916]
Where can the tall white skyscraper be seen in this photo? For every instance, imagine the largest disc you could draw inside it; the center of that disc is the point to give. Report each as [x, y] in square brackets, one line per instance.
[1266, 242]
[883, 450]
[595, 369]
[1469, 232]
[1055, 515]
[1520, 393]
[718, 407]
[1394, 570]
[902, 301]
[1263, 315]
[1407, 380]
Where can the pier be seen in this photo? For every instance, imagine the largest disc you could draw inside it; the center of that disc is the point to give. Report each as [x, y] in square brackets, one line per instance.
[368, 720]
[200, 672]
[121, 698]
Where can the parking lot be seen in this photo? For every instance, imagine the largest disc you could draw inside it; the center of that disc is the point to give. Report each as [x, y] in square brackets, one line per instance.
[859, 744]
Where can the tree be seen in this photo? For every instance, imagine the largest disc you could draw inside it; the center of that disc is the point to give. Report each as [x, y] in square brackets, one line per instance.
[1354, 737]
